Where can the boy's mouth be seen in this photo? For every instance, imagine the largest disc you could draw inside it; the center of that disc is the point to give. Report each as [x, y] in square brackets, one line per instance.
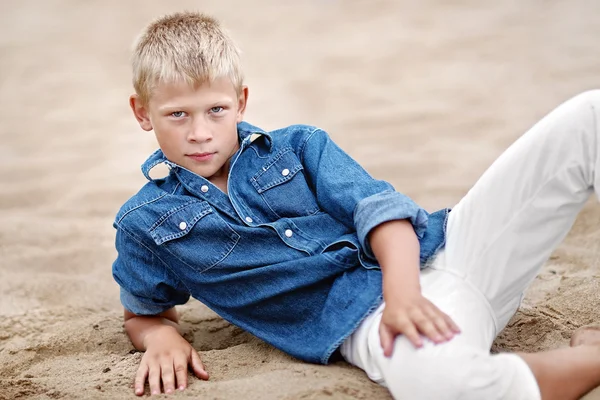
[201, 157]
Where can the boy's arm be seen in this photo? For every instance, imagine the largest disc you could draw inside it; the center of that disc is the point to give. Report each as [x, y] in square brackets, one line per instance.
[149, 293]
[167, 353]
[407, 312]
[346, 191]
[138, 327]
[387, 224]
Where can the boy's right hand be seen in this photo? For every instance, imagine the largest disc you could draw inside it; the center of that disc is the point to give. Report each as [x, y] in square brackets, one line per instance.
[166, 361]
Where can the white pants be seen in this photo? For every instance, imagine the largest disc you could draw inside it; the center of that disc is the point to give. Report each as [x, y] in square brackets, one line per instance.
[499, 236]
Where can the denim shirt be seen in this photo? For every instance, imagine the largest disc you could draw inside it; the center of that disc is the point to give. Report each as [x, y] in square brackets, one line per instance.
[284, 255]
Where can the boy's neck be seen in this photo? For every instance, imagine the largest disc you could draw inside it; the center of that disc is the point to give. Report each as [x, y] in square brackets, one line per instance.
[220, 182]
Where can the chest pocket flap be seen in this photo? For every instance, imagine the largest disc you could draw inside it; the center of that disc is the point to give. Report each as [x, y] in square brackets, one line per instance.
[278, 171]
[179, 221]
[283, 187]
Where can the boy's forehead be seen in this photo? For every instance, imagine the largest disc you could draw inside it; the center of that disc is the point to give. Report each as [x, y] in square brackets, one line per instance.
[173, 90]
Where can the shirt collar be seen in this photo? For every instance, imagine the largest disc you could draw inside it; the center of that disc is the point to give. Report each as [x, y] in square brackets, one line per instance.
[250, 133]
[246, 132]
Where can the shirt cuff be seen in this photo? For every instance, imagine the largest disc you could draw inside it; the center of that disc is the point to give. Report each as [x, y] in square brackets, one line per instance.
[133, 304]
[383, 207]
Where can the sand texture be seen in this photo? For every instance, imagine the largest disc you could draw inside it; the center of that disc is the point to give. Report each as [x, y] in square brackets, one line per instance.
[424, 94]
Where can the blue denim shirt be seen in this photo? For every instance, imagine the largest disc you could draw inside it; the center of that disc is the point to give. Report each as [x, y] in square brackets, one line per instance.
[284, 255]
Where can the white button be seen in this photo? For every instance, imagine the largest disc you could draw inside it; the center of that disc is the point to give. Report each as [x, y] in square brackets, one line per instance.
[204, 188]
[249, 220]
[288, 233]
[182, 225]
[285, 172]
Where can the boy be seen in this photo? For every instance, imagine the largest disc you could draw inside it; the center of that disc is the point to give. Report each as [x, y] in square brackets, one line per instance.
[284, 235]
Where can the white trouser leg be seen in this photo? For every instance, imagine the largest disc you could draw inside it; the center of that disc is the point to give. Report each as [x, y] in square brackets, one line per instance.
[460, 369]
[503, 231]
[499, 236]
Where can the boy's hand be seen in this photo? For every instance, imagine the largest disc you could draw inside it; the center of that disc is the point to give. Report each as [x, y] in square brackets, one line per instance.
[166, 361]
[411, 314]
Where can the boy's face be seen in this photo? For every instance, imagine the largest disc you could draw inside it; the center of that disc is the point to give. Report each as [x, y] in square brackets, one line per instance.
[196, 128]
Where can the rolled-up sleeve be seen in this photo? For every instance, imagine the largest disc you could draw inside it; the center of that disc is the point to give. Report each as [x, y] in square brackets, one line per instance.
[384, 207]
[148, 286]
[350, 194]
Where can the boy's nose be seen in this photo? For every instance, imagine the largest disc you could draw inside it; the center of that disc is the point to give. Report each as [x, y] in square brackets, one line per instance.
[199, 134]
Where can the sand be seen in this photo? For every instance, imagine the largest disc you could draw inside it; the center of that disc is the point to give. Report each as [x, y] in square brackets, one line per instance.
[424, 94]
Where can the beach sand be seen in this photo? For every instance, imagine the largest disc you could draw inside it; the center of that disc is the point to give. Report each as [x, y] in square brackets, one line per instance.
[424, 94]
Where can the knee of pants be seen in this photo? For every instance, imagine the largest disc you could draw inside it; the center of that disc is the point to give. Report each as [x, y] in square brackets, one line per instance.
[590, 97]
[587, 108]
[455, 373]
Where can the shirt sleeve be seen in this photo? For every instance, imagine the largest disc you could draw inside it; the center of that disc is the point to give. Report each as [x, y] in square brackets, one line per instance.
[148, 286]
[347, 192]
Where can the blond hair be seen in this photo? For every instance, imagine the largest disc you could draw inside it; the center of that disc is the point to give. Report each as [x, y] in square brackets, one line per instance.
[186, 46]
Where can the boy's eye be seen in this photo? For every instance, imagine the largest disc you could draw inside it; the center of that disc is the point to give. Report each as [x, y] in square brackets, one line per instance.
[177, 114]
[216, 110]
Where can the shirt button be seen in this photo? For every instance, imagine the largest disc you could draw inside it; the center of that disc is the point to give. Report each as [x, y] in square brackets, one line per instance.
[288, 233]
[182, 225]
[285, 172]
[249, 220]
[204, 188]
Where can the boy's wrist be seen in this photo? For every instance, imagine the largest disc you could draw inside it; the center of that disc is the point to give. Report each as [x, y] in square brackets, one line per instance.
[400, 291]
[158, 334]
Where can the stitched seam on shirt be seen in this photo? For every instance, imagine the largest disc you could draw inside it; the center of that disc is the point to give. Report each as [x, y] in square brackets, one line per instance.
[256, 152]
[140, 205]
[132, 236]
[262, 196]
[279, 181]
[237, 239]
[147, 168]
[175, 210]
[177, 235]
[220, 260]
[176, 187]
[303, 145]
[266, 167]
[180, 233]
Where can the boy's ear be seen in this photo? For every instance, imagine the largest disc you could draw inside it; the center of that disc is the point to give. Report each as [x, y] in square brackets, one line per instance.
[242, 102]
[140, 112]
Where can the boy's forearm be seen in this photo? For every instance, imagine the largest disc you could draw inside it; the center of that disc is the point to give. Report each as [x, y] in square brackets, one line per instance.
[141, 328]
[396, 248]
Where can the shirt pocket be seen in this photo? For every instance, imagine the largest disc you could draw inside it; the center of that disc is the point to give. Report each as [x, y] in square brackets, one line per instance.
[343, 253]
[282, 185]
[195, 234]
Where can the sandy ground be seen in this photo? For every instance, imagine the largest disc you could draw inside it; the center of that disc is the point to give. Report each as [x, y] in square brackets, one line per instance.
[424, 94]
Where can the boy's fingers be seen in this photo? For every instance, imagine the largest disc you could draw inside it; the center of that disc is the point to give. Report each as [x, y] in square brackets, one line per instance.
[140, 379]
[422, 318]
[445, 323]
[198, 367]
[411, 332]
[452, 324]
[444, 327]
[386, 338]
[154, 378]
[180, 366]
[429, 329]
[440, 320]
[168, 375]
[408, 328]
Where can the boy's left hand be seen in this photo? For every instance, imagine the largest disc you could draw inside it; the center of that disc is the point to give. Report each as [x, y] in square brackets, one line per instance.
[413, 315]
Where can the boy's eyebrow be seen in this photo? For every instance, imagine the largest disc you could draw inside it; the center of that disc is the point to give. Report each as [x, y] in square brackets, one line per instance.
[174, 106]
